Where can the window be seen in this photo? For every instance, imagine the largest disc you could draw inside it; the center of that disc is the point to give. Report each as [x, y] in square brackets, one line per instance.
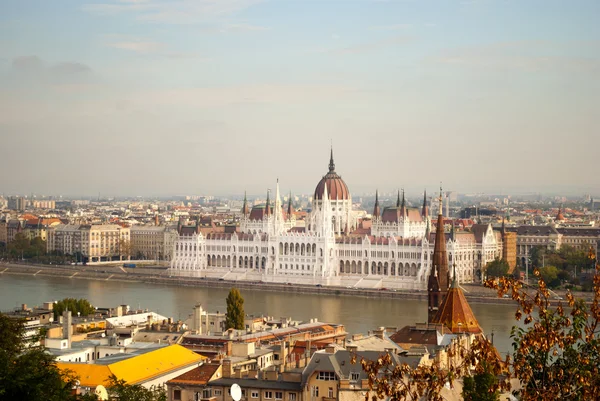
[330, 392]
[315, 391]
[177, 395]
[268, 395]
[278, 395]
[254, 394]
[292, 397]
[354, 376]
[217, 391]
[327, 376]
[205, 393]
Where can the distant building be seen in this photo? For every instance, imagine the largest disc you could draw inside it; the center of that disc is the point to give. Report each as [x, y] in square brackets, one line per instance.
[331, 247]
[97, 242]
[153, 242]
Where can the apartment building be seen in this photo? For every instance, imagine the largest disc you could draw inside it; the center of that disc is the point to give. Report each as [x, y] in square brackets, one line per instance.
[98, 242]
[153, 242]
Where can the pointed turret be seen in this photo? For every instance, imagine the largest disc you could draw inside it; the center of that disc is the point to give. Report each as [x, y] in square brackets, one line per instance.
[425, 210]
[453, 232]
[331, 163]
[376, 209]
[403, 206]
[268, 205]
[560, 215]
[503, 228]
[438, 277]
[398, 199]
[455, 312]
[289, 207]
[245, 208]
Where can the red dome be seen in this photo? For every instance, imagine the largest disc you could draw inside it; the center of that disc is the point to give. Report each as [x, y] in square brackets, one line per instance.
[336, 187]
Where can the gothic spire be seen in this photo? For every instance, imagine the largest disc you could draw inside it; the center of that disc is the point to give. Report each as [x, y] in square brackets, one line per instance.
[425, 210]
[403, 205]
[331, 163]
[439, 275]
[398, 199]
[376, 209]
[289, 208]
[245, 208]
[268, 205]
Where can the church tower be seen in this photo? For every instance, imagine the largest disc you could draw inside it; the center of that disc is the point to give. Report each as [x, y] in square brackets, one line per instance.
[437, 285]
[376, 209]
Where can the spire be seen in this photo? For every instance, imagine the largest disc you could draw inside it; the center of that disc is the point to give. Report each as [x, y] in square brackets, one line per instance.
[398, 200]
[425, 210]
[503, 227]
[331, 163]
[245, 208]
[439, 275]
[453, 232]
[268, 205]
[454, 282]
[289, 208]
[403, 205]
[376, 209]
[441, 210]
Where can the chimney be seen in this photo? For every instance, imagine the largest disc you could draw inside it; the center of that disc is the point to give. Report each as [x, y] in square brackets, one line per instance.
[379, 332]
[330, 349]
[227, 368]
[67, 327]
[282, 355]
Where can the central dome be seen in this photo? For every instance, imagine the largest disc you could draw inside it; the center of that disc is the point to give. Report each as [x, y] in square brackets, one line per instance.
[336, 187]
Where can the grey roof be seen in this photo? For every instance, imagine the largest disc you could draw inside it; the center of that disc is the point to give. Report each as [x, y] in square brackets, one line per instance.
[340, 363]
[258, 383]
[579, 231]
[536, 230]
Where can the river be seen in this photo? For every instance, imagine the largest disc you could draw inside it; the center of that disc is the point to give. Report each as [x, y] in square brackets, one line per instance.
[358, 314]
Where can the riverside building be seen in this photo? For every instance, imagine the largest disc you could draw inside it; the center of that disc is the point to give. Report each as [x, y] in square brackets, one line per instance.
[330, 249]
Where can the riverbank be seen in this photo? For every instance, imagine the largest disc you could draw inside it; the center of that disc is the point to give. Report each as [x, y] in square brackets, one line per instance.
[160, 275]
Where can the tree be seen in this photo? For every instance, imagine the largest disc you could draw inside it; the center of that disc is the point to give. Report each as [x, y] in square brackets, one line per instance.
[27, 371]
[477, 387]
[556, 354]
[497, 268]
[81, 306]
[124, 249]
[119, 390]
[550, 276]
[235, 310]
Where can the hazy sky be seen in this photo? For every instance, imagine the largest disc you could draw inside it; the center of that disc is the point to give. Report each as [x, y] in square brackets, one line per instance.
[155, 97]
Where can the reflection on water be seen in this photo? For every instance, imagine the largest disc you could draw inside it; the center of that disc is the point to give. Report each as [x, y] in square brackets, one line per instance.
[359, 315]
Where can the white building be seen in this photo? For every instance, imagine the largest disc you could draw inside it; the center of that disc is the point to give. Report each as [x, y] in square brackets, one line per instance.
[329, 249]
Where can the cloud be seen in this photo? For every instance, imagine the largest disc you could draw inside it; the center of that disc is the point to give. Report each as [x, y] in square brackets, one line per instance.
[369, 46]
[30, 70]
[27, 64]
[527, 56]
[137, 46]
[243, 28]
[394, 27]
[172, 12]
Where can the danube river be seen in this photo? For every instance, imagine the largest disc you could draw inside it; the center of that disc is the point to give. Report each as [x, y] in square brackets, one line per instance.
[358, 314]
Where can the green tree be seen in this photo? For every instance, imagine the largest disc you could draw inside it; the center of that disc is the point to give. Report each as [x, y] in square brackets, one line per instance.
[497, 268]
[235, 310]
[550, 276]
[119, 390]
[27, 371]
[481, 387]
[81, 306]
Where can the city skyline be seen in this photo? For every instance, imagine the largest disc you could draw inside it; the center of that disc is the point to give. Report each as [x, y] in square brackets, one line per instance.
[154, 98]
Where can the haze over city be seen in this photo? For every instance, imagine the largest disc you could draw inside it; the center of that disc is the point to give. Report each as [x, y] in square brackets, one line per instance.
[154, 97]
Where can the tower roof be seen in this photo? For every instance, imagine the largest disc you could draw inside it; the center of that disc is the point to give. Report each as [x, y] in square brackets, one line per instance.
[455, 312]
[440, 258]
[336, 187]
[376, 209]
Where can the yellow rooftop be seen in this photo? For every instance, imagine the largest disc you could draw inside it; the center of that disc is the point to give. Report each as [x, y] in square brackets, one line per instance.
[136, 369]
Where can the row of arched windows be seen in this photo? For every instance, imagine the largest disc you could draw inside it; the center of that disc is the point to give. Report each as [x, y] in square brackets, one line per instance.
[379, 268]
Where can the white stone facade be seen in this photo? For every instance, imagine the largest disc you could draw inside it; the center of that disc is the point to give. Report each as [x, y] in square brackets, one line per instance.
[272, 249]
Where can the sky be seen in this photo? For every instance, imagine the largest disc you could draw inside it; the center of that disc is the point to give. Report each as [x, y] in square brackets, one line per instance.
[168, 97]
